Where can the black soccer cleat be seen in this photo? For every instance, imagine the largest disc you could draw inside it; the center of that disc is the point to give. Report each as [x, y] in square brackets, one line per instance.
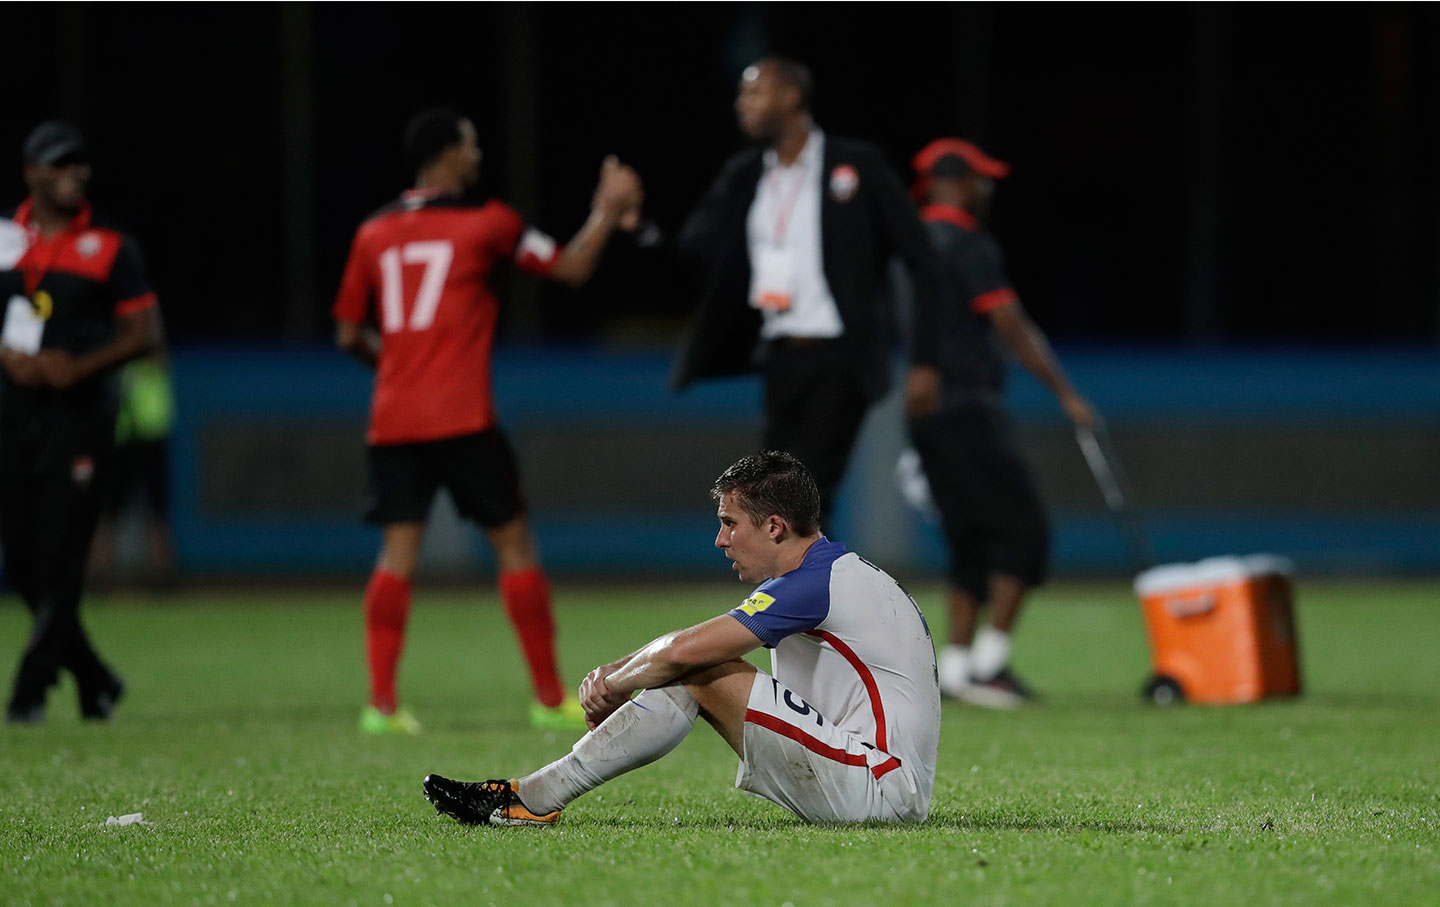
[482, 802]
[98, 703]
[1008, 680]
[1002, 691]
[25, 713]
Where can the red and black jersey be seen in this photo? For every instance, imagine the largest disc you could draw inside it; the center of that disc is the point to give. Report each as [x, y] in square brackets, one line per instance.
[79, 281]
[422, 267]
[974, 285]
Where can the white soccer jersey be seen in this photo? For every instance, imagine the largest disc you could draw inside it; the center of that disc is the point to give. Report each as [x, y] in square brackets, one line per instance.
[855, 646]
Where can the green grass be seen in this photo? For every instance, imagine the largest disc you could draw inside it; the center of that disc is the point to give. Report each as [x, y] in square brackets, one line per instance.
[238, 742]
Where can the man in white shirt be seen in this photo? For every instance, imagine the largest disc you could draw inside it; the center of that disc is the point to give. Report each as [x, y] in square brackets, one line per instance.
[790, 246]
[844, 728]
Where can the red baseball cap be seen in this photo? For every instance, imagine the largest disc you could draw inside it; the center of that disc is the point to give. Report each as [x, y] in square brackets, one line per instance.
[953, 157]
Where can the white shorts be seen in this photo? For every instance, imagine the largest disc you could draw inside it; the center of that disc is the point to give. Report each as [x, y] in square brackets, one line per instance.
[795, 757]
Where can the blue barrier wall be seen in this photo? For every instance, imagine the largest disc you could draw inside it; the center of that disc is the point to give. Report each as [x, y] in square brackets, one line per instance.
[618, 467]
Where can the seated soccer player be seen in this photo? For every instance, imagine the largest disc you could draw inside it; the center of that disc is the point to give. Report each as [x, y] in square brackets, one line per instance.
[844, 727]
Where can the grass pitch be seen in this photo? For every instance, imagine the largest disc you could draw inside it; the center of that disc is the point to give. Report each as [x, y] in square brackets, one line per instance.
[238, 741]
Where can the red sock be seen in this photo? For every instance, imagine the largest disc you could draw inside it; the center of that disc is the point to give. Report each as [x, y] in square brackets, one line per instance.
[526, 595]
[387, 606]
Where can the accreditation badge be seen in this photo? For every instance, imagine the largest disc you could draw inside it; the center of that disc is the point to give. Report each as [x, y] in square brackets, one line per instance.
[23, 326]
[772, 283]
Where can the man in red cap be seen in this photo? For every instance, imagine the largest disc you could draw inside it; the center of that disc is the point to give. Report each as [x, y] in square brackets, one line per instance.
[994, 523]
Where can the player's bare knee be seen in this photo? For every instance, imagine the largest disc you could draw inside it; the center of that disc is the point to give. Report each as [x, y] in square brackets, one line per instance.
[400, 550]
[514, 544]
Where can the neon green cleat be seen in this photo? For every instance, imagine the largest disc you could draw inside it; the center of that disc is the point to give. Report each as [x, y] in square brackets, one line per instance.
[374, 721]
[567, 716]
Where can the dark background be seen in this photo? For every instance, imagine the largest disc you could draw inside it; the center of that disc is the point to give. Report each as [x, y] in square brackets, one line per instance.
[1183, 174]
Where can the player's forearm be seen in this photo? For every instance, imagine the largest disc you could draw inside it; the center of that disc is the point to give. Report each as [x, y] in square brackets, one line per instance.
[1034, 353]
[652, 666]
[582, 255]
[619, 663]
[139, 335]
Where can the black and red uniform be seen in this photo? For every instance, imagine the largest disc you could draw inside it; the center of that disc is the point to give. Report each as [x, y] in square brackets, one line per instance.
[54, 444]
[422, 268]
[993, 517]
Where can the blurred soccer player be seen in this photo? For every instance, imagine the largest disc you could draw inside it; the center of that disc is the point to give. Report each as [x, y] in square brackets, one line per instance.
[994, 522]
[422, 268]
[844, 728]
[79, 305]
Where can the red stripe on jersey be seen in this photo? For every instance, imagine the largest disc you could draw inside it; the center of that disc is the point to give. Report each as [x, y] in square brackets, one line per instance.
[950, 214]
[138, 304]
[876, 706]
[885, 768]
[813, 744]
[817, 746]
[995, 299]
[79, 249]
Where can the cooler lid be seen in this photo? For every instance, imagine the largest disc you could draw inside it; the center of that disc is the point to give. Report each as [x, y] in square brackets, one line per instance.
[1211, 571]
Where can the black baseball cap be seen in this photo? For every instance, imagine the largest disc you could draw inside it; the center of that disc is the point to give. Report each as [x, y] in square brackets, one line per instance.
[55, 142]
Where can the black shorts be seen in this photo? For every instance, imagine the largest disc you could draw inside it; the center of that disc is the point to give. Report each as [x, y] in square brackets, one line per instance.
[478, 470]
[993, 518]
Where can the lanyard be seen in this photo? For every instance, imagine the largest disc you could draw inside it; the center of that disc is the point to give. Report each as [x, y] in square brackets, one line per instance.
[787, 206]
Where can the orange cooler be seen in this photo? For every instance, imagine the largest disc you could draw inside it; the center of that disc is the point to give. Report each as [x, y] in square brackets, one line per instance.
[1222, 630]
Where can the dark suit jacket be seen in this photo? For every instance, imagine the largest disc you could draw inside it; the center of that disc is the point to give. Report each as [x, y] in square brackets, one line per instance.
[860, 234]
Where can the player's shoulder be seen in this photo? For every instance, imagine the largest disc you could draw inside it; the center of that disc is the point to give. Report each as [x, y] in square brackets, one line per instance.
[741, 162]
[480, 214]
[853, 562]
[111, 228]
[812, 577]
[412, 202]
[857, 584]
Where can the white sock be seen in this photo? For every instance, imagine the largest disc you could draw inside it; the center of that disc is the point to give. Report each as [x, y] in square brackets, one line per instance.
[954, 667]
[641, 731]
[991, 653]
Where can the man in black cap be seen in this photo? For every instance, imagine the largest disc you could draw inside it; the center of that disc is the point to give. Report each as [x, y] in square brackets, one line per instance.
[994, 521]
[77, 305]
[792, 242]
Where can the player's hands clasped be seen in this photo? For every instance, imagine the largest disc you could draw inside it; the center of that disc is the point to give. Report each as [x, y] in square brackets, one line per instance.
[48, 368]
[596, 697]
[619, 194]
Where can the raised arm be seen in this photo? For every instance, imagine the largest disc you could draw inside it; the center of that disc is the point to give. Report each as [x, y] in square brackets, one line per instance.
[617, 201]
